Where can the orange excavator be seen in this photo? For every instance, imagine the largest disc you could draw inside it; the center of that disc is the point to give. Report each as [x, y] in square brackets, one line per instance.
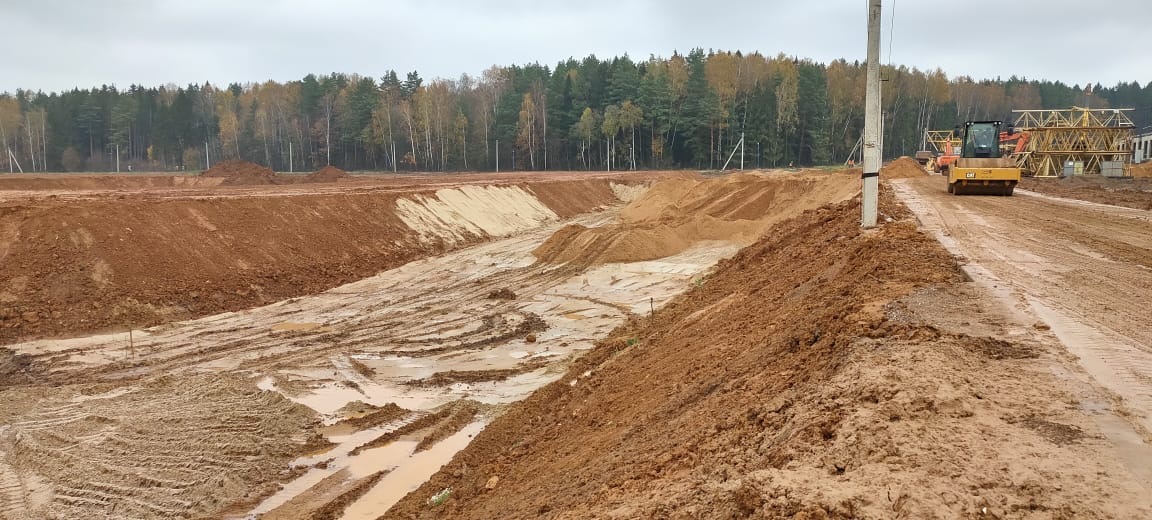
[1012, 142]
[947, 148]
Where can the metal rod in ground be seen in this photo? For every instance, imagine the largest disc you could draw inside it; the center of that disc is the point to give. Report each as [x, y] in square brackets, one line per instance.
[871, 173]
[739, 146]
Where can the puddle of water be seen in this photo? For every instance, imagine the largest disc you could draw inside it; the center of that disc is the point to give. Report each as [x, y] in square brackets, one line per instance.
[411, 472]
[346, 442]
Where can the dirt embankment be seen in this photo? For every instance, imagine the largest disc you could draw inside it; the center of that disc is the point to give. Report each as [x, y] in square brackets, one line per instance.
[244, 173]
[677, 213]
[1141, 171]
[902, 168]
[241, 173]
[113, 263]
[326, 174]
[1131, 193]
[60, 181]
[792, 383]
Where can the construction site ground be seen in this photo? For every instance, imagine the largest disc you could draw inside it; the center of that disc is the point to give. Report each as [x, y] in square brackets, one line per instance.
[570, 346]
[1130, 192]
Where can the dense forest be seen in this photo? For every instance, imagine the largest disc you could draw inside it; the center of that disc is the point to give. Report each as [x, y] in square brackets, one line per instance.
[686, 111]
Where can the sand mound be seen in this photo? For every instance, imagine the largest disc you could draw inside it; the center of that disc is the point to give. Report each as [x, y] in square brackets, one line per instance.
[326, 174]
[902, 168]
[1142, 170]
[674, 214]
[241, 173]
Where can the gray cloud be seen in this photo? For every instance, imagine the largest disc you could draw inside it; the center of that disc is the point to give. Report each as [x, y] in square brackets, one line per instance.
[57, 44]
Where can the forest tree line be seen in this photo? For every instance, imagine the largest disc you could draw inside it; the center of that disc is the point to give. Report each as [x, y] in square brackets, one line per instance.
[686, 111]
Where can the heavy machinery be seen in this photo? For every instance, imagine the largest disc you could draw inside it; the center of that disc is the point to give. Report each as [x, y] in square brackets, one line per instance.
[981, 169]
[946, 146]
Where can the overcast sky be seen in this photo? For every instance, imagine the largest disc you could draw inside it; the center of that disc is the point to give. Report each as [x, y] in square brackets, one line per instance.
[54, 45]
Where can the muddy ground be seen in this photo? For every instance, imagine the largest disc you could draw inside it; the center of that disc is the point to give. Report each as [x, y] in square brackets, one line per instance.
[385, 377]
[823, 372]
[82, 260]
[1128, 192]
[820, 371]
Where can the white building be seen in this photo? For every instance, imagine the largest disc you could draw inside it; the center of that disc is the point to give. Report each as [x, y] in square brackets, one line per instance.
[1141, 147]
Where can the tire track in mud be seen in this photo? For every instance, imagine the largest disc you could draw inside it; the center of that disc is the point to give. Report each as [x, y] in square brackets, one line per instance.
[1083, 268]
[12, 493]
[164, 449]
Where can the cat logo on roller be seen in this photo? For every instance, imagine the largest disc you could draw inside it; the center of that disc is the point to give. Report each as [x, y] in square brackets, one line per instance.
[980, 169]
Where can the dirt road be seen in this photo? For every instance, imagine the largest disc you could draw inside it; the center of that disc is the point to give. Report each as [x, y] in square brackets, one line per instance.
[1084, 269]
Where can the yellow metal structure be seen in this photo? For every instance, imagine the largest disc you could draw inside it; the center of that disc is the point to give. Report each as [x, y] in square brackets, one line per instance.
[943, 141]
[946, 145]
[1082, 137]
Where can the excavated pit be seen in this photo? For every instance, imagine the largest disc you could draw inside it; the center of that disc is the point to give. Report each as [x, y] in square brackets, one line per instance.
[418, 341]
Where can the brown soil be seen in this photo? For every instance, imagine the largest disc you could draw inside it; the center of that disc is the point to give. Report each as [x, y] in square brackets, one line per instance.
[426, 422]
[677, 213]
[73, 266]
[902, 168]
[461, 416]
[241, 173]
[449, 377]
[1141, 171]
[1131, 193]
[502, 293]
[326, 174]
[363, 419]
[788, 386]
[327, 499]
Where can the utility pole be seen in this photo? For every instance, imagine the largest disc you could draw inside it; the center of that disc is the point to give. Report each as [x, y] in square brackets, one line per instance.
[117, 157]
[741, 150]
[497, 156]
[207, 160]
[871, 173]
[290, 170]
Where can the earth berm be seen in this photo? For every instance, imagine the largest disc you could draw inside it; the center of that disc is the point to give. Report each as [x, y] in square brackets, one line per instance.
[805, 378]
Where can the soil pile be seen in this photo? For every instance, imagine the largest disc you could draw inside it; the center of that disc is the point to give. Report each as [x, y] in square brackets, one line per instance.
[783, 387]
[50, 181]
[326, 174]
[110, 263]
[902, 168]
[674, 214]
[1141, 171]
[1128, 192]
[241, 173]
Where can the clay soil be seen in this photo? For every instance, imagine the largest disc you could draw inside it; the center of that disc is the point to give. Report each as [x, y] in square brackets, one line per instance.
[813, 375]
[822, 371]
[902, 168]
[78, 260]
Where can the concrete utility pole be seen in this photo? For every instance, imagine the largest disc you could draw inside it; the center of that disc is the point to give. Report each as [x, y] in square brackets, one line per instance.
[871, 175]
[741, 150]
